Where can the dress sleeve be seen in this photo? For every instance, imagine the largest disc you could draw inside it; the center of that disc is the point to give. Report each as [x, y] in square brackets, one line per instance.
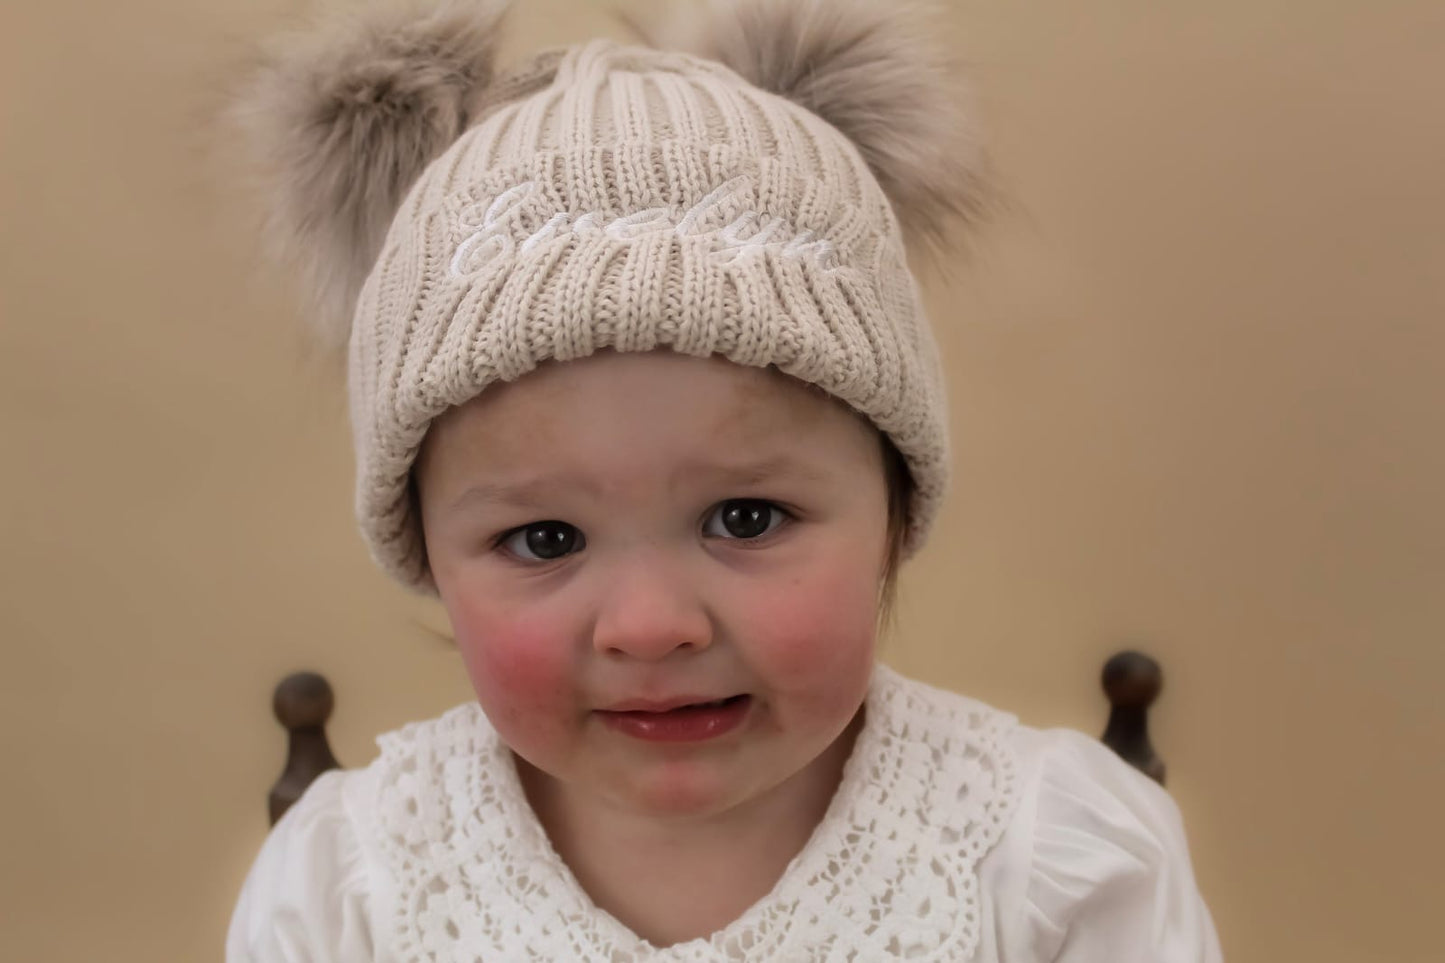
[1111, 877]
[306, 897]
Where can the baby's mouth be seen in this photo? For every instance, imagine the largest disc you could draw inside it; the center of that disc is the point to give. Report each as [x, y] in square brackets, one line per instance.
[651, 707]
[685, 721]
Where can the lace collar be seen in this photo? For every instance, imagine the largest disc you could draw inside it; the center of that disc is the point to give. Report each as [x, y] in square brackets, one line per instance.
[890, 872]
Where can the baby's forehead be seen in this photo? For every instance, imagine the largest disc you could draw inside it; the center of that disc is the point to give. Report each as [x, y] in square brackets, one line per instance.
[662, 383]
[660, 399]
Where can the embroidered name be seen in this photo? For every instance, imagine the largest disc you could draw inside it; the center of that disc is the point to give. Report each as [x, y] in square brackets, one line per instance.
[491, 235]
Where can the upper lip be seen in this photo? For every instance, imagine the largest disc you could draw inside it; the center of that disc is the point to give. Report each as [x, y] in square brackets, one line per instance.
[662, 705]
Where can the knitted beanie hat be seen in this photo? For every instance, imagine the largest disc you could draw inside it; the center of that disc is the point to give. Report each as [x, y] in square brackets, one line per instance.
[747, 200]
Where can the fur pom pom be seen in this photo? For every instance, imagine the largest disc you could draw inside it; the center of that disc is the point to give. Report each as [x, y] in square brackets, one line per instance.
[337, 121]
[870, 68]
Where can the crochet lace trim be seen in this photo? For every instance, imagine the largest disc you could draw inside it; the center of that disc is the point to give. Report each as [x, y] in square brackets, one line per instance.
[889, 873]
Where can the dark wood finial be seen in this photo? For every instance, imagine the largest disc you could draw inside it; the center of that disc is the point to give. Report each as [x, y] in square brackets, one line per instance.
[302, 703]
[1132, 681]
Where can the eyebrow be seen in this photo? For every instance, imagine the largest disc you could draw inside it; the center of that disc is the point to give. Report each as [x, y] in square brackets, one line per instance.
[524, 493]
[536, 492]
[755, 473]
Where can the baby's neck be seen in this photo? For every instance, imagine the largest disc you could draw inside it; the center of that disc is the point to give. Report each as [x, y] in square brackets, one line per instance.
[670, 881]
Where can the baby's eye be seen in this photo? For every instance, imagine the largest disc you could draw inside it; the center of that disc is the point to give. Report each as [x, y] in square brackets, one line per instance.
[543, 541]
[743, 518]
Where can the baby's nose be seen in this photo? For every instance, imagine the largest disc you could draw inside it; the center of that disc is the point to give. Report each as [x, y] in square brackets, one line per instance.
[649, 613]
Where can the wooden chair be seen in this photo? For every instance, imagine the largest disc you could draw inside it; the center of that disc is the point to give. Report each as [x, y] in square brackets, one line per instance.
[303, 703]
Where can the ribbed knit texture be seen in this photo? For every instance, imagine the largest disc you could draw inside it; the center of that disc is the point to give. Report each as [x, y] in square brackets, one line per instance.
[641, 200]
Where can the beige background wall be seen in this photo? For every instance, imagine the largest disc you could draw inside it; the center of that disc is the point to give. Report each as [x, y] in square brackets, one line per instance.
[1199, 387]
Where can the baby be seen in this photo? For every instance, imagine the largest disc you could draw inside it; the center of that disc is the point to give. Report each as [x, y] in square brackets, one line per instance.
[642, 392]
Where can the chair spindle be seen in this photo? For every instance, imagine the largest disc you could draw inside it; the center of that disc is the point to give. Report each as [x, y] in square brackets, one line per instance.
[303, 702]
[1132, 681]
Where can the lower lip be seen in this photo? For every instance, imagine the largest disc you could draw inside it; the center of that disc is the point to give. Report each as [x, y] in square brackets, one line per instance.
[681, 725]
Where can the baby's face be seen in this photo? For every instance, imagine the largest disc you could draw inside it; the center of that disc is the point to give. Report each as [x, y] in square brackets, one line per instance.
[616, 537]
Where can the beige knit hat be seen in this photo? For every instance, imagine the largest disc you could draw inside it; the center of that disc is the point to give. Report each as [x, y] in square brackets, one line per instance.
[608, 196]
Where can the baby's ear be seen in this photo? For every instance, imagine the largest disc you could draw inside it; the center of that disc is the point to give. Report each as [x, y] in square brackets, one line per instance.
[337, 120]
[871, 69]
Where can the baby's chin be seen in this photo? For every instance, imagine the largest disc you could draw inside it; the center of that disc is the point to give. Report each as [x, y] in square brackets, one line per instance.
[674, 795]
[688, 790]
[658, 790]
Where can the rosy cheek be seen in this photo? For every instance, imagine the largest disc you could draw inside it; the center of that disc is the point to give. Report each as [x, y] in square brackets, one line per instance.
[821, 626]
[521, 669]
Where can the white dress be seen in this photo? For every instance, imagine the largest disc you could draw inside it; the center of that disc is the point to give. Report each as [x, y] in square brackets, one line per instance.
[956, 834]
